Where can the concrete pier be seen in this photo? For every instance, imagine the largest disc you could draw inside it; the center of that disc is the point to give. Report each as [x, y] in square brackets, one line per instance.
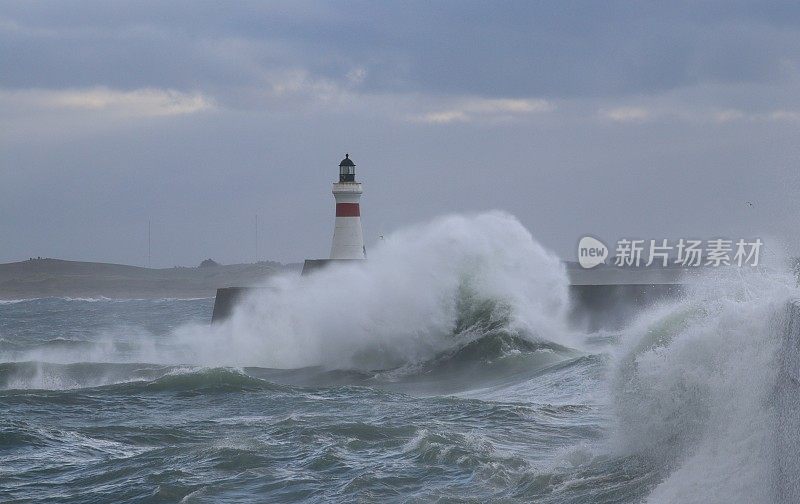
[226, 300]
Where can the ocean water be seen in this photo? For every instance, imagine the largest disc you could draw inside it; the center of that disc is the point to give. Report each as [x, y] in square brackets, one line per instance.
[443, 370]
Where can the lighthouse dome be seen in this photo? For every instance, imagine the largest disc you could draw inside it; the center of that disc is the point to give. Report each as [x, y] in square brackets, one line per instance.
[347, 161]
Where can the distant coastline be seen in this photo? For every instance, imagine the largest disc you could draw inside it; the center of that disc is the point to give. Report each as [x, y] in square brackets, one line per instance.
[38, 277]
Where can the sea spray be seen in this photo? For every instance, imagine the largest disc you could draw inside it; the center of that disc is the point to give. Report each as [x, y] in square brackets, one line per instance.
[401, 305]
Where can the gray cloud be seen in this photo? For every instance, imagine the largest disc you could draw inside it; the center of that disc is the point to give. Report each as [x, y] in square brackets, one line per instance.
[502, 49]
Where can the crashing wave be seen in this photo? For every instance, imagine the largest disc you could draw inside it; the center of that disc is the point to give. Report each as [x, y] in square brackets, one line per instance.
[706, 390]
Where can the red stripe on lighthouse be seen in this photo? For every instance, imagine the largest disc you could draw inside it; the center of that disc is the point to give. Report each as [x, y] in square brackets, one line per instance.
[347, 210]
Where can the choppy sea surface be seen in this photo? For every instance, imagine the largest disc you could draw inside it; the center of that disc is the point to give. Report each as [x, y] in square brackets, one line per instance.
[126, 431]
[469, 390]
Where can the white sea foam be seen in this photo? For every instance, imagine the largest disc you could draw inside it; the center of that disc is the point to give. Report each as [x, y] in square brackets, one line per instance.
[16, 301]
[100, 299]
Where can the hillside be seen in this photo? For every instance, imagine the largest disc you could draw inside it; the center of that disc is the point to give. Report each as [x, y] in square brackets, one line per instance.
[55, 277]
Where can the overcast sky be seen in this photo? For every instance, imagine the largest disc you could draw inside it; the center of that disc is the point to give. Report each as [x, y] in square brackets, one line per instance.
[616, 119]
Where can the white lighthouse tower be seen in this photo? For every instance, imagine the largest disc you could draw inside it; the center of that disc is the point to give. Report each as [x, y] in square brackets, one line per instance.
[348, 239]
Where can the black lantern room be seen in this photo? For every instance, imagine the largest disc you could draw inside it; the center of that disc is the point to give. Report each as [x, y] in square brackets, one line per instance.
[347, 170]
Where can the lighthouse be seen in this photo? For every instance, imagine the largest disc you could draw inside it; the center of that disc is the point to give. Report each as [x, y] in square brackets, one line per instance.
[348, 239]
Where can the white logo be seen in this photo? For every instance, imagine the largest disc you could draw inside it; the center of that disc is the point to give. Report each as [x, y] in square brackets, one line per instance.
[591, 252]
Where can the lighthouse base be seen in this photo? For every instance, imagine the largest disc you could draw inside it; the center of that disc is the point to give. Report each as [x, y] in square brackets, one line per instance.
[312, 265]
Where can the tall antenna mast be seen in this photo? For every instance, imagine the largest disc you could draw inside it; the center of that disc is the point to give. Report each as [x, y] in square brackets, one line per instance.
[256, 237]
[149, 264]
